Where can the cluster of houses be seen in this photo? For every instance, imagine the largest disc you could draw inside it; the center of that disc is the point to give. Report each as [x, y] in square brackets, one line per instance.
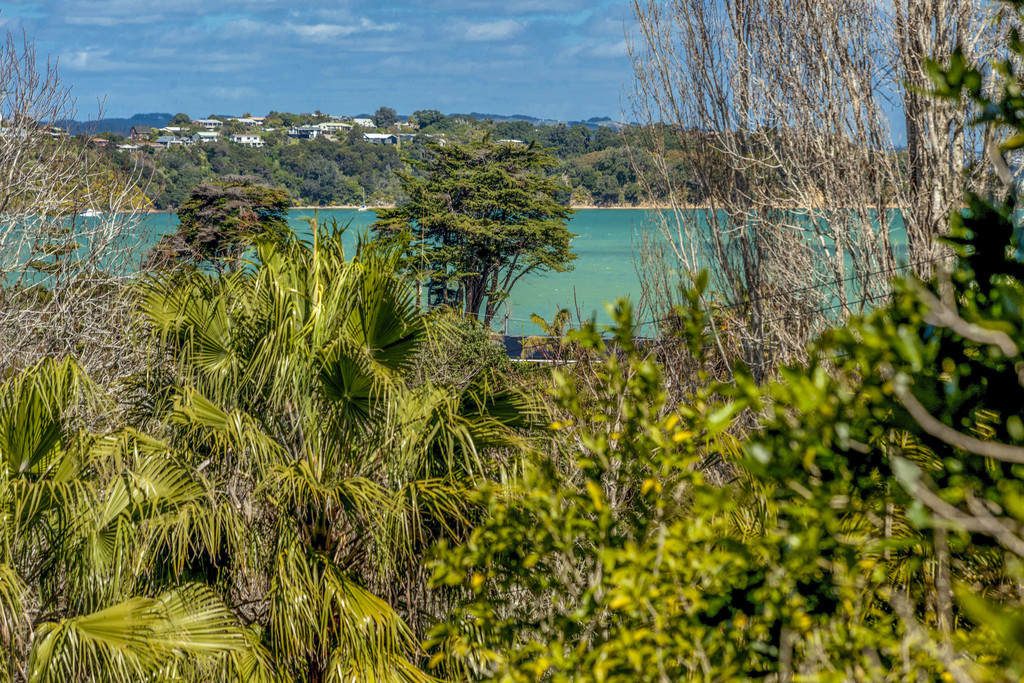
[210, 131]
[177, 136]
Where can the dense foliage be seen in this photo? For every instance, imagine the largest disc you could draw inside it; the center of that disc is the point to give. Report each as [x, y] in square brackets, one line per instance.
[222, 219]
[593, 166]
[478, 219]
[317, 172]
[871, 527]
[311, 479]
[260, 512]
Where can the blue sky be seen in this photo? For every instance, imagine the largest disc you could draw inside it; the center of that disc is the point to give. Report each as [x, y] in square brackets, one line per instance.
[549, 58]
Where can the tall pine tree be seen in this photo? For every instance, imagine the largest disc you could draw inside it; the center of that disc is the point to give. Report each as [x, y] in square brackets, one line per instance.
[481, 217]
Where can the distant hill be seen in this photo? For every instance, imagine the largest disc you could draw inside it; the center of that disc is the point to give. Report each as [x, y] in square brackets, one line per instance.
[505, 117]
[592, 123]
[118, 126]
[160, 119]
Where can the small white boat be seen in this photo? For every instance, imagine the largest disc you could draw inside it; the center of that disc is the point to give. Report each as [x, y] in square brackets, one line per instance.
[362, 208]
[91, 213]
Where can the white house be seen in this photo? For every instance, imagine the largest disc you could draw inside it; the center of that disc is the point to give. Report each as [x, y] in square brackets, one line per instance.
[334, 126]
[205, 136]
[380, 138]
[208, 124]
[248, 121]
[307, 132]
[365, 123]
[247, 140]
[169, 141]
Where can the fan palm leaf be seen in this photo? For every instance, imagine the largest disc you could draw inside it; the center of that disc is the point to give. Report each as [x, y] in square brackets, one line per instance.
[33, 425]
[288, 384]
[12, 606]
[319, 611]
[135, 638]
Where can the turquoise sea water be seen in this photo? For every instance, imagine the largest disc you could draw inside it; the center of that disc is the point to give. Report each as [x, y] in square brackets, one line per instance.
[604, 270]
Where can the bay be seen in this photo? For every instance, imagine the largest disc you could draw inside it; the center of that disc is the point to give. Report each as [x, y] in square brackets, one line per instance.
[604, 270]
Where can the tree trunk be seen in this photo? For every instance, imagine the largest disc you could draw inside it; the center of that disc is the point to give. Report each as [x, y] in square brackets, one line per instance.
[476, 290]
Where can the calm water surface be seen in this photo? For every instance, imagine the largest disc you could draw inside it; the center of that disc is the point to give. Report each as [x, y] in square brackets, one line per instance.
[604, 270]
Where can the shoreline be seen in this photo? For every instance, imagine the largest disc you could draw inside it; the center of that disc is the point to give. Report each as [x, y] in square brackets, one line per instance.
[576, 207]
[355, 207]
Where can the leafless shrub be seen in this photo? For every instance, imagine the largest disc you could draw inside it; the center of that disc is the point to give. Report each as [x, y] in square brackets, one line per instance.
[69, 228]
[801, 206]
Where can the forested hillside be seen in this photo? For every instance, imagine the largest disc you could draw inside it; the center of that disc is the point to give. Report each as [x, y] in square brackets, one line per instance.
[596, 166]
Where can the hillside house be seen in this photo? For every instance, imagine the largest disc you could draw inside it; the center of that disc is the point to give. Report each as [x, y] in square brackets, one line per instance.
[138, 133]
[208, 124]
[18, 133]
[335, 127]
[206, 136]
[365, 123]
[305, 132]
[380, 138]
[247, 140]
[168, 141]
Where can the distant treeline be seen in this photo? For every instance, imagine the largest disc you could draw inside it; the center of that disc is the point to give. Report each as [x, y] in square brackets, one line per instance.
[118, 126]
[596, 165]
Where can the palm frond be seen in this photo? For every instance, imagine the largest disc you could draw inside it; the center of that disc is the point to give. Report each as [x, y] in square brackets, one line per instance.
[423, 511]
[133, 639]
[220, 430]
[299, 480]
[32, 415]
[318, 611]
[13, 616]
[386, 321]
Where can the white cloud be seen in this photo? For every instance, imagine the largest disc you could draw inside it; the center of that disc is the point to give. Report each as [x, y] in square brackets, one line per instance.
[235, 93]
[616, 48]
[87, 60]
[515, 6]
[329, 31]
[320, 32]
[491, 30]
[609, 49]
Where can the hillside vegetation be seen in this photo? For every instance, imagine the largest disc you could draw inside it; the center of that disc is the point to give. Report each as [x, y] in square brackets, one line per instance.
[595, 168]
